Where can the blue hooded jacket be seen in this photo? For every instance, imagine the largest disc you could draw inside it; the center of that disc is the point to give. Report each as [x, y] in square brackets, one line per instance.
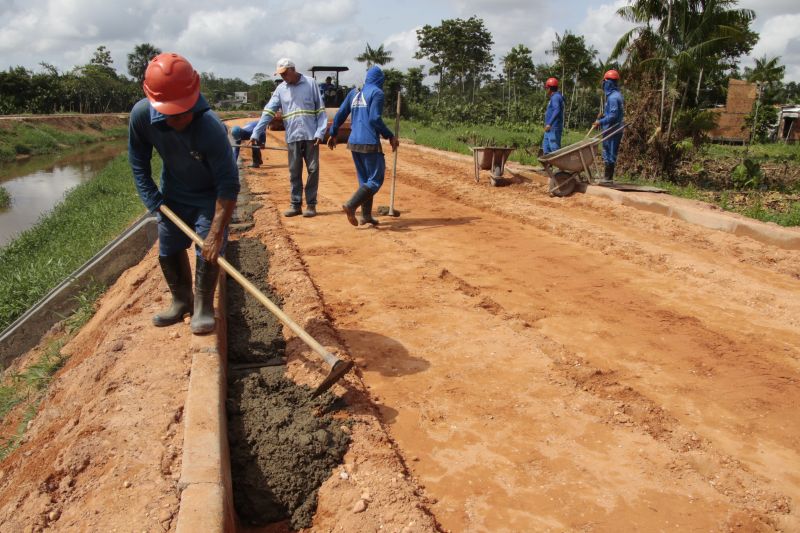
[613, 113]
[198, 164]
[366, 106]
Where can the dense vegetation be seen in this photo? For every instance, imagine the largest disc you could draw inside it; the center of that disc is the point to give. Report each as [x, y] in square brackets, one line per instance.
[89, 217]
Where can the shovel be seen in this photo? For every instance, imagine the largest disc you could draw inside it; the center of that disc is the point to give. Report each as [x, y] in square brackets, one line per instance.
[338, 367]
[384, 210]
[259, 147]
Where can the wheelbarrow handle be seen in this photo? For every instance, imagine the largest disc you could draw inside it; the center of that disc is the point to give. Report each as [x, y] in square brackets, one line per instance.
[329, 358]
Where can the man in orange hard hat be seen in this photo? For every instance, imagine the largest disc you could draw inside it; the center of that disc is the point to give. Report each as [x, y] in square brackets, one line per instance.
[611, 120]
[199, 182]
[553, 117]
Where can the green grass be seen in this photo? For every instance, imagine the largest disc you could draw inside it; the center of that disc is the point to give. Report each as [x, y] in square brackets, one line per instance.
[28, 139]
[5, 198]
[771, 150]
[89, 217]
[28, 386]
[460, 138]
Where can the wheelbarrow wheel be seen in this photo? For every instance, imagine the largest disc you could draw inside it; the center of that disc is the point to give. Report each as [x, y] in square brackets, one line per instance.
[562, 184]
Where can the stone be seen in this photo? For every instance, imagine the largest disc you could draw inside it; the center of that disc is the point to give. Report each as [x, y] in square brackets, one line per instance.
[360, 506]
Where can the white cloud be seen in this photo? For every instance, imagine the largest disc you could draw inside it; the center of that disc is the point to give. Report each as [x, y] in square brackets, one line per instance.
[602, 27]
[237, 40]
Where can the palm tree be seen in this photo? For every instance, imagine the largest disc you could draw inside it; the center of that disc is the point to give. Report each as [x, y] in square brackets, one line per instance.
[693, 36]
[139, 58]
[375, 56]
[766, 70]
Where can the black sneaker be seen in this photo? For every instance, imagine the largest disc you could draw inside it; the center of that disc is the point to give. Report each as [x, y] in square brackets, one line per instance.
[311, 211]
[293, 211]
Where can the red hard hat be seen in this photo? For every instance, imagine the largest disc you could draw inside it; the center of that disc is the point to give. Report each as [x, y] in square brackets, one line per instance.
[171, 84]
[551, 82]
[611, 75]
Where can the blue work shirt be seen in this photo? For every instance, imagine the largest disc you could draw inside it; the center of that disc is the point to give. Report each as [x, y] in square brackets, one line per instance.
[198, 163]
[554, 115]
[302, 111]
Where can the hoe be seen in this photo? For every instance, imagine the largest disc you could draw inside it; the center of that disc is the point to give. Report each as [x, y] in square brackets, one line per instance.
[338, 367]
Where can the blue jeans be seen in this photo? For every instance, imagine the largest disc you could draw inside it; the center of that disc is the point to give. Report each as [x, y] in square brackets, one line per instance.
[172, 240]
[611, 148]
[370, 169]
[300, 151]
[551, 141]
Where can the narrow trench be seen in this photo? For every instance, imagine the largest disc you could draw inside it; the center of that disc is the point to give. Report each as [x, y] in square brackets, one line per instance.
[283, 444]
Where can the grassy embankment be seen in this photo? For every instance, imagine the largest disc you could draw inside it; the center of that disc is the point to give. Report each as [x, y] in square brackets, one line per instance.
[25, 139]
[773, 200]
[90, 216]
[22, 391]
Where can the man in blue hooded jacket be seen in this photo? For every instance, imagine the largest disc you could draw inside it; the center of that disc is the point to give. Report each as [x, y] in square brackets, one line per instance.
[367, 128]
[553, 117]
[613, 114]
[199, 182]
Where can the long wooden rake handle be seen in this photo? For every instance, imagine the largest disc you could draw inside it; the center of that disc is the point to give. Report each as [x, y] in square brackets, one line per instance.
[338, 366]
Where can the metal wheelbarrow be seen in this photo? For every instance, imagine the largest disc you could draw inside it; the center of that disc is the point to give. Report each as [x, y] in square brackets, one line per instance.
[491, 158]
[574, 164]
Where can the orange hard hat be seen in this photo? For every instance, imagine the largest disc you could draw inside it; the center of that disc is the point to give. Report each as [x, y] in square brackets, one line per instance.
[611, 75]
[551, 82]
[171, 84]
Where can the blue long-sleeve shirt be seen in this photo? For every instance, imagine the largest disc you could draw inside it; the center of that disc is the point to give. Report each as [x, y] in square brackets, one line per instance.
[198, 163]
[614, 112]
[554, 115]
[302, 111]
[366, 107]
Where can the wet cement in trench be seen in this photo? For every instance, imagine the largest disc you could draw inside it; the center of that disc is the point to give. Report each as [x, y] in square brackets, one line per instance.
[284, 445]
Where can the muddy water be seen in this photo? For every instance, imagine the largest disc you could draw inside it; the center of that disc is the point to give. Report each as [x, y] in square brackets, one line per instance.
[38, 183]
[284, 445]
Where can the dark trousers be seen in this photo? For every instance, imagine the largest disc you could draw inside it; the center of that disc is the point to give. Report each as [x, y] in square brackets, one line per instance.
[300, 151]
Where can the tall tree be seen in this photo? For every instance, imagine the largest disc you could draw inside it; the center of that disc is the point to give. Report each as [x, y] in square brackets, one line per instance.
[375, 56]
[519, 69]
[139, 58]
[461, 48]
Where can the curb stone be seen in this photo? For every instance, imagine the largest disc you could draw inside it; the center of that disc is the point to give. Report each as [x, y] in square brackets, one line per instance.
[205, 483]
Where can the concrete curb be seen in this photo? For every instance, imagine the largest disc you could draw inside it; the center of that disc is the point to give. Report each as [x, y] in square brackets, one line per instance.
[693, 212]
[205, 482]
[105, 267]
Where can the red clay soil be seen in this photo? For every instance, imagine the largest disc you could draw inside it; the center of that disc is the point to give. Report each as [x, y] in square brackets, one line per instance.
[524, 364]
[562, 364]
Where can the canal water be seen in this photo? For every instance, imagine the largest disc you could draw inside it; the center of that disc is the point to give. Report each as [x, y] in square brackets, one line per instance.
[38, 183]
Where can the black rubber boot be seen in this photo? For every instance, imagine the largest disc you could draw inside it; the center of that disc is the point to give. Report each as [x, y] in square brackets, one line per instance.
[366, 213]
[608, 176]
[350, 206]
[257, 160]
[179, 279]
[205, 284]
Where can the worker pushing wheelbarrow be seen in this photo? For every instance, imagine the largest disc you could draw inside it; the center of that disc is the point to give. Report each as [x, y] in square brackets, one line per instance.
[574, 164]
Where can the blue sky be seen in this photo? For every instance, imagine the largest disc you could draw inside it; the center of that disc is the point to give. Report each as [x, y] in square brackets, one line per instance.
[239, 39]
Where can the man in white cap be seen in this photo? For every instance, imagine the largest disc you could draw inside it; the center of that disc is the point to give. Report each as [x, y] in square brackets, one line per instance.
[304, 118]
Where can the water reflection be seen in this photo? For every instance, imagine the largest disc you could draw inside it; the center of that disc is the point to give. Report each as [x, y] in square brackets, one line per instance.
[37, 184]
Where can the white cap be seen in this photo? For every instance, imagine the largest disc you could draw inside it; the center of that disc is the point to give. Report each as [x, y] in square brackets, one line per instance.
[283, 64]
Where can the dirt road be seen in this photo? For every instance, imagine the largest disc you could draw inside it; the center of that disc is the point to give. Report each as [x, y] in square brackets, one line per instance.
[552, 364]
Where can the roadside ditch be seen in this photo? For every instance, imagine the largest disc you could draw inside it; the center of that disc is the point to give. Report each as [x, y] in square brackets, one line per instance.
[283, 444]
